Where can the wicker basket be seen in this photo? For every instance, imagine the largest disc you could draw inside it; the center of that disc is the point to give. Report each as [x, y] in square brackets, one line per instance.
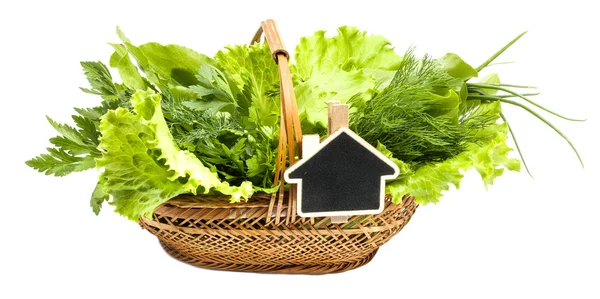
[265, 234]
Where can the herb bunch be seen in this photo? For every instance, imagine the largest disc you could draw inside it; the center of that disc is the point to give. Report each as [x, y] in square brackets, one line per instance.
[416, 116]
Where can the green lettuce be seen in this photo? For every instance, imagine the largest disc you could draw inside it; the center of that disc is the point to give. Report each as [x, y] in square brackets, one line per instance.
[337, 68]
[335, 85]
[350, 49]
[252, 68]
[142, 165]
[428, 182]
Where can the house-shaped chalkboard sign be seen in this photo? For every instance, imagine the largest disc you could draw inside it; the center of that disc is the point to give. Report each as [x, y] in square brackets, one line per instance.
[341, 176]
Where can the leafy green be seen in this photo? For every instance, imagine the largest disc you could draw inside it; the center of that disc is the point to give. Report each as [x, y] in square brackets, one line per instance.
[489, 157]
[220, 110]
[349, 50]
[430, 125]
[416, 116]
[337, 68]
[456, 67]
[59, 162]
[217, 93]
[127, 70]
[76, 148]
[143, 166]
[231, 120]
[99, 196]
[100, 80]
[163, 64]
[182, 122]
[335, 85]
[252, 68]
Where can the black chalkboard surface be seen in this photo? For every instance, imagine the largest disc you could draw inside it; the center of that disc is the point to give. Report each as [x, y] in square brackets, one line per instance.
[344, 176]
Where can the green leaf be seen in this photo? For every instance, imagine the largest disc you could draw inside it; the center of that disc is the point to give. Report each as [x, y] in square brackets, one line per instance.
[429, 182]
[486, 151]
[212, 106]
[215, 91]
[350, 64]
[336, 85]
[456, 67]
[71, 147]
[491, 159]
[143, 167]
[68, 132]
[98, 197]
[235, 60]
[88, 128]
[75, 149]
[100, 79]
[174, 62]
[253, 69]
[351, 49]
[127, 70]
[255, 167]
[91, 113]
[493, 79]
[166, 64]
[59, 163]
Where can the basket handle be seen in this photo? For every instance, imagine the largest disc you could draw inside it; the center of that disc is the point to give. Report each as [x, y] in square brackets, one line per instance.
[290, 136]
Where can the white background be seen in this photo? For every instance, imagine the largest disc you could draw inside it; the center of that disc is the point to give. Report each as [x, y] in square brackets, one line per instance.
[523, 238]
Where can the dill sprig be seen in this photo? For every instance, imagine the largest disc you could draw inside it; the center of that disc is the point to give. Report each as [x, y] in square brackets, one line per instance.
[413, 117]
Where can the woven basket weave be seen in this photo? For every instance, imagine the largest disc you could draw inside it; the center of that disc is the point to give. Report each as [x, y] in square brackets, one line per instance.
[209, 232]
[265, 234]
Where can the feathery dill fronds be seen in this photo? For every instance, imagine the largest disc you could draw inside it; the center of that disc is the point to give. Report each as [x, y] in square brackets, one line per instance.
[414, 117]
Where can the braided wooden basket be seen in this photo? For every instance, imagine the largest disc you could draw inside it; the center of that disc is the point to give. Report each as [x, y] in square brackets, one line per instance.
[265, 234]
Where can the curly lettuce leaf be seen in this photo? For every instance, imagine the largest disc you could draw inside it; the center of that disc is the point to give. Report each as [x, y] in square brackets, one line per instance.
[143, 167]
[252, 68]
[336, 85]
[350, 49]
[338, 68]
[429, 181]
